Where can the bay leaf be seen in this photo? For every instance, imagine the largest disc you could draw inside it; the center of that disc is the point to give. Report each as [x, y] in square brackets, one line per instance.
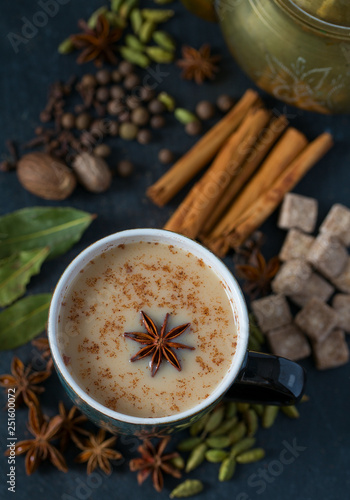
[16, 271]
[38, 227]
[22, 321]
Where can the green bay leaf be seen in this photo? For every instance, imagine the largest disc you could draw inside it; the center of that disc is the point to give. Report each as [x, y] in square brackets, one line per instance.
[22, 321]
[38, 227]
[16, 271]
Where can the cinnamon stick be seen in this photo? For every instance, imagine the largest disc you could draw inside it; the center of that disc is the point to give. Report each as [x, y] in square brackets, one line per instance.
[201, 153]
[268, 138]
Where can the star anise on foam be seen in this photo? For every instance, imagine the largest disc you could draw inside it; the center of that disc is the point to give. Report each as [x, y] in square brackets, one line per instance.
[25, 382]
[71, 425]
[258, 274]
[154, 462]
[40, 448]
[198, 65]
[98, 44]
[159, 345]
[97, 451]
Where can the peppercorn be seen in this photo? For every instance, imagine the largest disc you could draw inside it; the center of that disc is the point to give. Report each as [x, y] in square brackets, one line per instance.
[125, 68]
[83, 121]
[140, 116]
[102, 94]
[132, 102]
[117, 92]
[156, 107]
[146, 94]
[88, 80]
[102, 150]
[131, 81]
[144, 136]
[113, 128]
[128, 131]
[116, 76]
[193, 128]
[125, 168]
[103, 77]
[115, 107]
[165, 156]
[68, 120]
[205, 110]
[224, 103]
[157, 121]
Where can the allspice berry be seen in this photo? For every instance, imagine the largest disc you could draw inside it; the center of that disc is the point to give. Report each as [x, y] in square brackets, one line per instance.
[68, 120]
[193, 128]
[115, 107]
[131, 81]
[88, 80]
[157, 121]
[146, 94]
[128, 131]
[116, 76]
[103, 76]
[140, 116]
[205, 110]
[102, 94]
[125, 68]
[156, 107]
[224, 103]
[125, 168]
[83, 121]
[117, 92]
[166, 156]
[98, 127]
[113, 128]
[102, 150]
[144, 136]
[92, 172]
[132, 101]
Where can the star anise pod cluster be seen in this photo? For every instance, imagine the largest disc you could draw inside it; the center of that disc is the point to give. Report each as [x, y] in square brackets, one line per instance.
[258, 274]
[71, 425]
[153, 462]
[25, 382]
[158, 344]
[98, 451]
[97, 44]
[198, 65]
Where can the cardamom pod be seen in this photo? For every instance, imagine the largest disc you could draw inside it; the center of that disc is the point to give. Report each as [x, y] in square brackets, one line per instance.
[226, 426]
[250, 456]
[251, 421]
[291, 411]
[189, 444]
[178, 462]
[134, 57]
[164, 40]
[253, 344]
[66, 46]
[146, 31]
[134, 43]
[238, 432]
[255, 330]
[127, 7]
[216, 417]
[136, 20]
[157, 15]
[243, 445]
[218, 441]
[230, 409]
[167, 100]
[198, 426]
[259, 409]
[216, 456]
[115, 5]
[269, 416]
[196, 457]
[243, 407]
[188, 488]
[159, 55]
[227, 469]
[184, 116]
[115, 21]
[92, 21]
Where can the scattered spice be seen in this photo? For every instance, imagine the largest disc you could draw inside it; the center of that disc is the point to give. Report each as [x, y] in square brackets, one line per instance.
[97, 451]
[71, 425]
[258, 274]
[42, 344]
[225, 103]
[205, 110]
[125, 168]
[166, 156]
[198, 65]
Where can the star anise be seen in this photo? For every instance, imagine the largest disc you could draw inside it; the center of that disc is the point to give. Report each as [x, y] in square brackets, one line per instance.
[154, 462]
[97, 452]
[97, 43]
[40, 448]
[158, 344]
[42, 344]
[198, 65]
[24, 381]
[71, 425]
[258, 274]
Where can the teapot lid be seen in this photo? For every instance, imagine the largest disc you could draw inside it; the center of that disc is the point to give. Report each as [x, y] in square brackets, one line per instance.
[334, 13]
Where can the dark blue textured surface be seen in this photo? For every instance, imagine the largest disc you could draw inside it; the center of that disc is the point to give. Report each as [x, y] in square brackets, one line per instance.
[321, 469]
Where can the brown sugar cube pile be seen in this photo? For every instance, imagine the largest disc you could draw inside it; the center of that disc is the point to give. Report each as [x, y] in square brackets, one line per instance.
[271, 312]
[341, 303]
[342, 282]
[316, 319]
[298, 212]
[292, 277]
[315, 286]
[337, 224]
[296, 245]
[289, 342]
[328, 255]
[332, 352]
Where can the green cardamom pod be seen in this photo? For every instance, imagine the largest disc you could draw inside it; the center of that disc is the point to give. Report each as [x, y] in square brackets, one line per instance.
[217, 416]
[146, 31]
[255, 330]
[178, 462]
[167, 100]
[198, 426]
[238, 432]
[216, 456]
[218, 441]
[159, 55]
[115, 21]
[251, 421]
[164, 40]
[243, 407]
[134, 57]
[243, 445]
[157, 15]
[291, 411]
[189, 444]
[92, 21]
[230, 409]
[126, 8]
[188, 488]
[225, 427]
[184, 116]
[134, 43]
[66, 46]
[259, 409]
[253, 344]
[136, 20]
[269, 416]
[250, 456]
[115, 5]
[227, 469]
[196, 457]
[163, 2]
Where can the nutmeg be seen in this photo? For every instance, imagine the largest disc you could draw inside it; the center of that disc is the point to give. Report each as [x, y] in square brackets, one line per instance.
[92, 172]
[45, 176]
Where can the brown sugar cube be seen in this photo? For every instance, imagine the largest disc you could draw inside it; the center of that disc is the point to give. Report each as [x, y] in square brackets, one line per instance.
[328, 255]
[341, 303]
[315, 286]
[342, 282]
[337, 223]
[316, 319]
[289, 342]
[332, 352]
[271, 312]
[296, 245]
[291, 277]
[299, 212]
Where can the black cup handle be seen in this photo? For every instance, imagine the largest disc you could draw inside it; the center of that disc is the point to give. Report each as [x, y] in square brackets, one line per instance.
[268, 379]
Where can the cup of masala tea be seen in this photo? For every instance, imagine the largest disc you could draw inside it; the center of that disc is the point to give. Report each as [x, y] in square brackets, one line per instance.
[149, 330]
